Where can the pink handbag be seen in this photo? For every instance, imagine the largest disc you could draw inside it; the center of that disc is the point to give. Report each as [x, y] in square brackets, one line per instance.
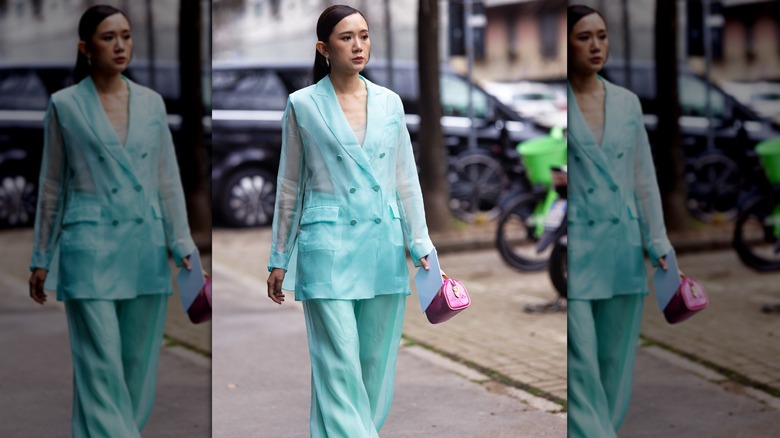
[200, 310]
[451, 299]
[689, 299]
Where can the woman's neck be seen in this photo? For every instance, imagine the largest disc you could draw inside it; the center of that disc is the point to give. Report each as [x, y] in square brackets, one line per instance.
[347, 84]
[108, 84]
[585, 84]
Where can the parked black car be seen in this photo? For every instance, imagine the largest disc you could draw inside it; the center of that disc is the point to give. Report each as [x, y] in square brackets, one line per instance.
[716, 177]
[24, 95]
[249, 100]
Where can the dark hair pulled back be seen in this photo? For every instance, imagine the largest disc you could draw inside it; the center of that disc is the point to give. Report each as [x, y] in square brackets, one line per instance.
[328, 20]
[576, 12]
[88, 25]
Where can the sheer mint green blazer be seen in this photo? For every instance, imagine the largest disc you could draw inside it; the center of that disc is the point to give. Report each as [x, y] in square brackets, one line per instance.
[107, 212]
[615, 209]
[344, 212]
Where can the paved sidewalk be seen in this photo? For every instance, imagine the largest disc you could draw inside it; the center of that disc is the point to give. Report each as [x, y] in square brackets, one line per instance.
[732, 334]
[37, 383]
[494, 334]
[261, 380]
[676, 397]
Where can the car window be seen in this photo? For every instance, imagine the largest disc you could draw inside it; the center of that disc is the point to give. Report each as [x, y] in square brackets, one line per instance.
[454, 98]
[247, 90]
[22, 90]
[693, 98]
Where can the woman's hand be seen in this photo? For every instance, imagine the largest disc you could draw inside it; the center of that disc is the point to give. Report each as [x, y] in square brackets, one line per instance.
[275, 279]
[186, 262]
[665, 266]
[37, 278]
[424, 263]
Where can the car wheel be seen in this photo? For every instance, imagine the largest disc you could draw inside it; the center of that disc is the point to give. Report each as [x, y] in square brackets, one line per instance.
[18, 196]
[247, 198]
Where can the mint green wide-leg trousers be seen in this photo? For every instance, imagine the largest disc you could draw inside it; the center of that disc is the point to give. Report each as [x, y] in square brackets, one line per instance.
[115, 345]
[602, 342]
[353, 345]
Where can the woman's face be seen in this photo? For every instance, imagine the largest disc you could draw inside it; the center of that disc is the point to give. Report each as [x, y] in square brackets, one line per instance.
[588, 45]
[349, 45]
[112, 45]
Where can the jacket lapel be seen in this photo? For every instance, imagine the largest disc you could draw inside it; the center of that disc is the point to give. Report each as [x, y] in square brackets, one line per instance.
[328, 106]
[582, 138]
[95, 116]
[375, 118]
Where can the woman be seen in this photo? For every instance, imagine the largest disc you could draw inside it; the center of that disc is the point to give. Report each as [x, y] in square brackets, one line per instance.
[110, 200]
[614, 215]
[348, 199]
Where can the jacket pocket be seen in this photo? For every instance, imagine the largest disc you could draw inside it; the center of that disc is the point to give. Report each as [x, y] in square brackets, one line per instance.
[320, 228]
[83, 213]
[81, 228]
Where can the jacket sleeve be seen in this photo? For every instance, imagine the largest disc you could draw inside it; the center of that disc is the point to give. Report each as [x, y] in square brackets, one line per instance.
[409, 195]
[171, 195]
[51, 192]
[647, 196]
[289, 192]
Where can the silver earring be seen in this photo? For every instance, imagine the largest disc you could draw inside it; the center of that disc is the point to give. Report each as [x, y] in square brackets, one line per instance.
[89, 61]
[327, 62]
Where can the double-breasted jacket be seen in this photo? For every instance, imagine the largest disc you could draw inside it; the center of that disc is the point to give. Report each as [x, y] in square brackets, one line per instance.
[108, 212]
[345, 212]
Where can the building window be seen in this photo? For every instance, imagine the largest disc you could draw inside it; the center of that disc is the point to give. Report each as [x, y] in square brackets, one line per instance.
[548, 33]
[258, 9]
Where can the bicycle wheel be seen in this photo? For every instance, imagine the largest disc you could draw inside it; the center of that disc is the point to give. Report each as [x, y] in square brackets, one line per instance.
[755, 239]
[558, 267]
[515, 237]
[476, 183]
[713, 188]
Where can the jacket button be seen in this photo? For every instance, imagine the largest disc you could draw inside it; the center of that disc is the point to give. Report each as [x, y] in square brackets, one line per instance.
[376, 188]
[615, 220]
[620, 155]
[382, 155]
[144, 155]
[591, 222]
[576, 158]
[138, 188]
[114, 222]
[614, 188]
[114, 190]
[339, 157]
[352, 222]
[139, 221]
[590, 189]
[101, 158]
[352, 190]
[378, 220]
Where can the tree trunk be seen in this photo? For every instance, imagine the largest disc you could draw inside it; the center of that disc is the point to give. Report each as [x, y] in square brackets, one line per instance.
[668, 153]
[192, 150]
[433, 154]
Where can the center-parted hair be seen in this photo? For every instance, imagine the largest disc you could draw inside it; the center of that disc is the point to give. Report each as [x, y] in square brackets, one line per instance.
[88, 25]
[576, 12]
[328, 20]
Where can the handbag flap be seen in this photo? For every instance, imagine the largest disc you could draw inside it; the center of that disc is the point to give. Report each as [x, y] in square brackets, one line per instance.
[455, 294]
[693, 294]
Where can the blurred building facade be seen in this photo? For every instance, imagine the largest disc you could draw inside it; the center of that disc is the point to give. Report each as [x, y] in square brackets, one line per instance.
[48, 29]
[523, 39]
[746, 43]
